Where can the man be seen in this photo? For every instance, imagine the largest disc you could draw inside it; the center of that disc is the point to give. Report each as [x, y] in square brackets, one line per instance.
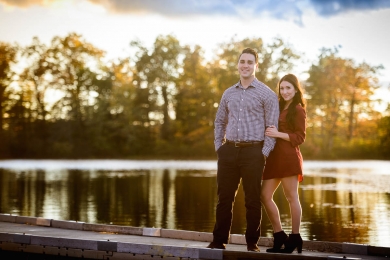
[245, 110]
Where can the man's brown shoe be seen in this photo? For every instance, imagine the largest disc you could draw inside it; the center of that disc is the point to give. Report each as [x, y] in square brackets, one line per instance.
[216, 245]
[253, 248]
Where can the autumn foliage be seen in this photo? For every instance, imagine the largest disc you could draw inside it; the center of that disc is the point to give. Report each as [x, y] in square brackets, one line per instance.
[65, 100]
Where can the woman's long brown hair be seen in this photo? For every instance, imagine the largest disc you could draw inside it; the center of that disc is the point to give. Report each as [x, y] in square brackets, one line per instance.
[298, 99]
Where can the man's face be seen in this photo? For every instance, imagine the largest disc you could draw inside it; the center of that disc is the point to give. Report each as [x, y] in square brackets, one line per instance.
[247, 65]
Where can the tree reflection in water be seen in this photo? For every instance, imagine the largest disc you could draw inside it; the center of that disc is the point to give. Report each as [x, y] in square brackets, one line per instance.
[337, 206]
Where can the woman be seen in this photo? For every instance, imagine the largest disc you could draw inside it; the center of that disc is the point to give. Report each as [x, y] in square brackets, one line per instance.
[284, 164]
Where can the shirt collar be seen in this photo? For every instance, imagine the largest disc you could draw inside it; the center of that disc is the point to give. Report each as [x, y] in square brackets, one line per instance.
[255, 83]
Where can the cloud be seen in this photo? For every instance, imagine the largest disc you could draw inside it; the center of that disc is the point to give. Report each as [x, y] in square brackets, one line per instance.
[334, 7]
[25, 3]
[173, 7]
[279, 9]
[179, 8]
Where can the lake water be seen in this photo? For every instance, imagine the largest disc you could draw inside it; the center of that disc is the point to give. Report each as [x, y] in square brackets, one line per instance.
[342, 201]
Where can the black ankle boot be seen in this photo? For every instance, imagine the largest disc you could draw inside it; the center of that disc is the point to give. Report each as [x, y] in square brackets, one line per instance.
[279, 239]
[293, 241]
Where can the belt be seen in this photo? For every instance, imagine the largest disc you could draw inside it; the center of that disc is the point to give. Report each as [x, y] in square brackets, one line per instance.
[244, 144]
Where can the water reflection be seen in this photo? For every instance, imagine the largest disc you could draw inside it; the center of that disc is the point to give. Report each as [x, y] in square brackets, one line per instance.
[349, 202]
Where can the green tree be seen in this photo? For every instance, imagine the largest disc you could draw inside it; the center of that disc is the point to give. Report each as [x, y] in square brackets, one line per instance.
[340, 93]
[384, 135]
[195, 103]
[20, 132]
[158, 69]
[8, 57]
[36, 75]
[35, 79]
[362, 85]
[117, 115]
[77, 71]
[274, 59]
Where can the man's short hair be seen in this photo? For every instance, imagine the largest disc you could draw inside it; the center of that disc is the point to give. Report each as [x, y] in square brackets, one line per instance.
[250, 51]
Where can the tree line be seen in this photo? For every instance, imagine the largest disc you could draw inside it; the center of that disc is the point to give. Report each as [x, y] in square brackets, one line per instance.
[65, 100]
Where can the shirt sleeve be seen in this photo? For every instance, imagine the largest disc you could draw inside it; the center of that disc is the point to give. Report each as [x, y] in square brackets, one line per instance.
[220, 123]
[298, 136]
[271, 116]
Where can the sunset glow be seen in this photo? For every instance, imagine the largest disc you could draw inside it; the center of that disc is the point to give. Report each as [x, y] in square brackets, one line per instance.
[356, 29]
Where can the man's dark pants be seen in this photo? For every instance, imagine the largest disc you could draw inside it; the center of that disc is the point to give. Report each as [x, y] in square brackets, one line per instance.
[234, 164]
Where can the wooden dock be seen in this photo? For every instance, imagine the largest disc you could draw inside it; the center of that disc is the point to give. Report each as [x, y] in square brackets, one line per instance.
[39, 236]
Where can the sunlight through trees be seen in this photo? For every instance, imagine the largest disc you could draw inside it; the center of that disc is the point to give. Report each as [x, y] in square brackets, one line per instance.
[162, 101]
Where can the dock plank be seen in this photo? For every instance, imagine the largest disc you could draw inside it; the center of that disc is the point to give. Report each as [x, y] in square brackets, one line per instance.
[145, 245]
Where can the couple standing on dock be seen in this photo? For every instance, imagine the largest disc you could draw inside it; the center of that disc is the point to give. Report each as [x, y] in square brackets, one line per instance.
[257, 138]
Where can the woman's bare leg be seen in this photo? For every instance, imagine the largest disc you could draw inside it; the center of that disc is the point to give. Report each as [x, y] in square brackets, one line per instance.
[268, 188]
[290, 188]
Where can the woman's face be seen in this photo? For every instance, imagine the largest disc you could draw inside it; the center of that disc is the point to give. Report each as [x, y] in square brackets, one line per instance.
[287, 91]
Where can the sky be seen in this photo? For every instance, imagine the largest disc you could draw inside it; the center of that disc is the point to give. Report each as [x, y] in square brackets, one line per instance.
[358, 28]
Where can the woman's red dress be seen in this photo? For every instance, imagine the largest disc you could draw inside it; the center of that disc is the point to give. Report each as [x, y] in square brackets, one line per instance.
[286, 158]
